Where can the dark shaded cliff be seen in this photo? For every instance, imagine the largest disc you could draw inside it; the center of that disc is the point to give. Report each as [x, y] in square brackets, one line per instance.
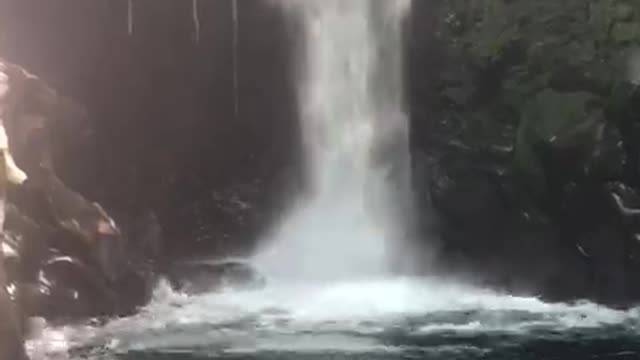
[524, 130]
[166, 134]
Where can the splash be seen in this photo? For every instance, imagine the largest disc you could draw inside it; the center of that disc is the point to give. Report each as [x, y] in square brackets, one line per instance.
[342, 317]
[355, 140]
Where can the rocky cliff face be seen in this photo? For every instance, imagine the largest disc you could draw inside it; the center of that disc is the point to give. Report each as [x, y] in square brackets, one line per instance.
[524, 141]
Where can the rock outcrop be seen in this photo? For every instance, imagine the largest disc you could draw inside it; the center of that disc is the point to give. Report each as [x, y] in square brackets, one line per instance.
[65, 256]
[528, 146]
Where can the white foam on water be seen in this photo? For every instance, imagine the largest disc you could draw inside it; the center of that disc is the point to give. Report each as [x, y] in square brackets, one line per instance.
[345, 316]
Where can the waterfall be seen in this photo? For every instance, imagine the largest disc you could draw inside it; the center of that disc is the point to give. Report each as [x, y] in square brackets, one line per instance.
[355, 137]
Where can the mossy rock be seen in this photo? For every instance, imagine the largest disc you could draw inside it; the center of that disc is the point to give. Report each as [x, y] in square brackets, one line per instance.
[555, 116]
[556, 121]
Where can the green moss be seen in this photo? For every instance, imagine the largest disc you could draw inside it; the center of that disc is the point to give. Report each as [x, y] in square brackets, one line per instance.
[569, 57]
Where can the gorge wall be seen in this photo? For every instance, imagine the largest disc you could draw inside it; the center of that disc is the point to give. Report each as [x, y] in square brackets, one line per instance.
[165, 136]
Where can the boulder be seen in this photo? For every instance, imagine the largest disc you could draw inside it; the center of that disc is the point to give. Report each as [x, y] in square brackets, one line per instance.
[69, 257]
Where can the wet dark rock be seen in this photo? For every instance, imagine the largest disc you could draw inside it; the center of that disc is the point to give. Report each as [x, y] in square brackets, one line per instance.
[570, 239]
[626, 201]
[224, 214]
[469, 196]
[89, 223]
[171, 166]
[148, 233]
[528, 157]
[72, 289]
[67, 257]
[29, 243]
[196, 277]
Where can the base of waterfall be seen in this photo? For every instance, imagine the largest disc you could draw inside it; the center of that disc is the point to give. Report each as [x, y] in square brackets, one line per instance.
[396, 318]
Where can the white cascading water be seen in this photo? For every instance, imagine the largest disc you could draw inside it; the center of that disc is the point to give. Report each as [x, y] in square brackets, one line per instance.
[355, 137]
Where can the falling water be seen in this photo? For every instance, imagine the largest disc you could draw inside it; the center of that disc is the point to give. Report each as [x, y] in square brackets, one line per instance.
[355, 140]
[130, 17]
[236, 24]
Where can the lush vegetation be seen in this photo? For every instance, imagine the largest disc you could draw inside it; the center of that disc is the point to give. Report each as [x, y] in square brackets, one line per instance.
[544, 74]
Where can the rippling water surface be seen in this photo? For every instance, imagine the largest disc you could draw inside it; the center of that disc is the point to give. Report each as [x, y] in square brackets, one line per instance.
[375, 319]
